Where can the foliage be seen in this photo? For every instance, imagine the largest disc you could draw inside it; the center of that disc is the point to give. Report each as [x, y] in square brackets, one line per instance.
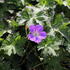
[17, 52]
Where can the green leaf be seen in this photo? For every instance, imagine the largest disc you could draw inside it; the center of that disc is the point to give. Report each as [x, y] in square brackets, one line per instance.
[68, 2]
[58, 20]
[19, 43]
[13, 23]
[1, 33]
[46, 2]
[9, 49]
[4, 66]
[65, 30]
[53, 63]
[25, 14]
[59, 1]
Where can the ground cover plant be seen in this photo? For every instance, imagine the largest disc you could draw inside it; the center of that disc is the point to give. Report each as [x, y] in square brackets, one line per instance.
[34, 34]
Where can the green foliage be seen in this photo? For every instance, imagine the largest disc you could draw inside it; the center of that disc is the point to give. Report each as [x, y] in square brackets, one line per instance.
[17, 52]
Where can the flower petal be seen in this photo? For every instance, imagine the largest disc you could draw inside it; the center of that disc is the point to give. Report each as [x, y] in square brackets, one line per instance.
[39, 28]
[31, 37]
[34, 38]
[43, 35]
[32, 28]
[37, 40]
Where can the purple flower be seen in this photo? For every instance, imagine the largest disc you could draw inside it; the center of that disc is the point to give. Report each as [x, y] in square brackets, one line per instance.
[36, 33]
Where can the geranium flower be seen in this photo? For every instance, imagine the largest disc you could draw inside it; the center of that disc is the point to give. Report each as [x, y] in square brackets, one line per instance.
[36, 33]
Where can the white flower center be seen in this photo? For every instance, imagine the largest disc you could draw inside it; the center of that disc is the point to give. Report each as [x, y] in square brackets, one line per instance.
[36, 33]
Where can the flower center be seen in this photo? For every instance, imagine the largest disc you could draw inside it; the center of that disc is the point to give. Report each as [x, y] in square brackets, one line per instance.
[36, 33]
